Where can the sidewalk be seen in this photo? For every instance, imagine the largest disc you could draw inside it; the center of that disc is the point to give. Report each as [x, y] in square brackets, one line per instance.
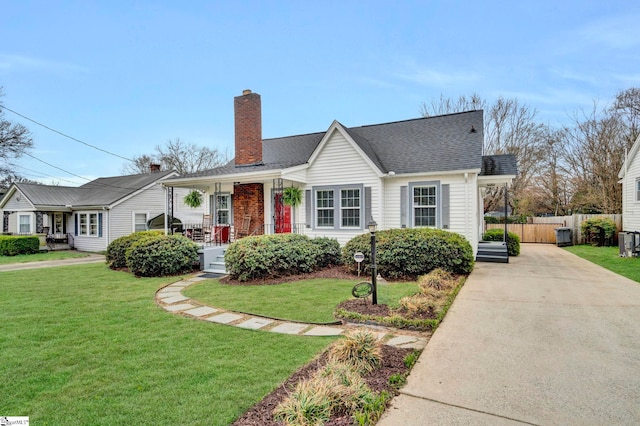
[92, 258]
[547, 339]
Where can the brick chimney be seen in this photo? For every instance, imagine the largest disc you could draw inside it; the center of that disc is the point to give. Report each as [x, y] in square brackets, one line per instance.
[154, 167]
[248, 123]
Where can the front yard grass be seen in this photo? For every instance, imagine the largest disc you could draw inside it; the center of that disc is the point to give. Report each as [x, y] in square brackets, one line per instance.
[312, 300]
[38, 257]
[87, 345]
[608, 258]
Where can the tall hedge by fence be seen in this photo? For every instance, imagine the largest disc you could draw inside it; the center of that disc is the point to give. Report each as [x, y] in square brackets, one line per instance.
[14, 245]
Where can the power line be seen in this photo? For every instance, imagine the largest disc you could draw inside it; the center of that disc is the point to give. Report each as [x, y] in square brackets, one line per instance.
[65, 135]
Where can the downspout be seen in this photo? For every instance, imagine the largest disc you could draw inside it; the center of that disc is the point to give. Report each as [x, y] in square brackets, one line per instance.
[166, 209]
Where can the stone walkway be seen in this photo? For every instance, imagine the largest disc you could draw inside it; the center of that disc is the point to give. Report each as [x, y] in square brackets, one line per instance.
[171, 299]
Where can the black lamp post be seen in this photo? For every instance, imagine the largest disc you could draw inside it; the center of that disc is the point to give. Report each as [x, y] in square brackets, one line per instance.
[372, 225]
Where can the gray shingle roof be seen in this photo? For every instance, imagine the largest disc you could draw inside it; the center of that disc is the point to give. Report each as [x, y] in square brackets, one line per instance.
[430, 144]
[99, 192]
[497, 165]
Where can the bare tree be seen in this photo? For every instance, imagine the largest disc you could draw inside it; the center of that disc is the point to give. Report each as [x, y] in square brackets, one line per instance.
[180, 156]
[550, 189]
[509, 128]
[15, 140]
[595, 154]
[627, 107]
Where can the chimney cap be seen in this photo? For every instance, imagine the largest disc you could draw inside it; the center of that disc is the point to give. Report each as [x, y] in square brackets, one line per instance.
[246, 92]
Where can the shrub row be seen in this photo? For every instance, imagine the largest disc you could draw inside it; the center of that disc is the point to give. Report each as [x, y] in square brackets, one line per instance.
[409, 253]
[272, 256]
[152, 254]
[599, 231]
[14, 245]
[513, 243]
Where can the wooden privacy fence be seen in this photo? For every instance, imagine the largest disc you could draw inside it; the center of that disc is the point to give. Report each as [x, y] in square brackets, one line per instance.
[543, 229]
[531, 232]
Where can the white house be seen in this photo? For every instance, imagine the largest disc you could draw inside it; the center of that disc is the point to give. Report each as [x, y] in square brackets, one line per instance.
[630, 179]
[89, 217]
[425, 172]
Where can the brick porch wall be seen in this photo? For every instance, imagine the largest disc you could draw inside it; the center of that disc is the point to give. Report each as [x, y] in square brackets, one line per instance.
[248, 198]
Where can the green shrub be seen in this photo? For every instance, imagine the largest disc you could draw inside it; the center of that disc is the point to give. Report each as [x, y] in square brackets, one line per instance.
[14, 245]
[279, 255]
[497, 234]
[116, 251]
[160, 255]
[409, 253]
[491, 219]
[599, 231]
[330, 252]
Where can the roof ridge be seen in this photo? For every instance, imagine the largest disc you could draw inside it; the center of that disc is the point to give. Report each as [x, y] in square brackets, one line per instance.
[418, 118]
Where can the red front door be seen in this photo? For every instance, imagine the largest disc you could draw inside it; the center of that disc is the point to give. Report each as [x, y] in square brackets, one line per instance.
[281, 216]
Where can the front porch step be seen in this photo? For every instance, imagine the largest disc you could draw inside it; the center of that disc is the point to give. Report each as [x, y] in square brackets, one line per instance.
[492, 252]
[217, 267]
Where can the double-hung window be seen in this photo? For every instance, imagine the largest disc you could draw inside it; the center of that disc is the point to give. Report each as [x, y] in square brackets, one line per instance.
[325, 208]
[350, 207]
[223, 205]
[424, 206]
[140, 222]
[83, 224]
[24, 224]
[88, 224]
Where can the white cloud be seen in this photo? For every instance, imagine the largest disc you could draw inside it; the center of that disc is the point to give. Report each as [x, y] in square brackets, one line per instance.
[25, 63]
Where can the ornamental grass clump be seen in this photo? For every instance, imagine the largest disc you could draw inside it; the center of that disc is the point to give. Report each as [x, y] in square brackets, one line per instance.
[438, 279]
[359, 349]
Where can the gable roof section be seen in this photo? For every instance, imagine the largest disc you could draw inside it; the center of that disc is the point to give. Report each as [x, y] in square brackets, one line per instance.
[430, 144]
[108, 191]
[630, 158]
[99, 192]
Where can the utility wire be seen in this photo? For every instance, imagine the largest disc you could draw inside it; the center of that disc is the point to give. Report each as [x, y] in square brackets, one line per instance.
[65, 135]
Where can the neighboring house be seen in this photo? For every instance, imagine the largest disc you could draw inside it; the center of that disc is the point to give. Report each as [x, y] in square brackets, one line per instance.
[94, 214]
[630, 179]
[426, 172]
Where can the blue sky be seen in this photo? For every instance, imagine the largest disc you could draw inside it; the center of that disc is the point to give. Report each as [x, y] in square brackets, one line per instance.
[128, 75]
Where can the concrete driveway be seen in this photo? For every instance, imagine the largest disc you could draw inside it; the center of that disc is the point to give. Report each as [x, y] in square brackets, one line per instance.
[548, 339]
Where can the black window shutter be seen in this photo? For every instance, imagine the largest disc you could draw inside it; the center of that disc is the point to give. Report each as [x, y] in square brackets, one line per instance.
[99, 224]
[76, 224]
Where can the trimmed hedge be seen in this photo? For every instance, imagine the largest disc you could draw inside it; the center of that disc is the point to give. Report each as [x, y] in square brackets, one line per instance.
[156, 256]
[513, 244]
[409, 253]
[279, 255]
[116, 251]
[13, 245]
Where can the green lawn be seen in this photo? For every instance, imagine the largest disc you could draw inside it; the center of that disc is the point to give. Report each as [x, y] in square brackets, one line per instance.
[38, 257]
[608, 258]
[308, 300]
[84, 345]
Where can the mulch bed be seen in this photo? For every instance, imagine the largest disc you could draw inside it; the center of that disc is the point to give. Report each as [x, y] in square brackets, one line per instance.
[261, 414]
[338, 272]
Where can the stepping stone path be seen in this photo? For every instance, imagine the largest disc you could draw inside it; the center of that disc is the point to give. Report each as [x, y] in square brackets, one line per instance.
[171, 299]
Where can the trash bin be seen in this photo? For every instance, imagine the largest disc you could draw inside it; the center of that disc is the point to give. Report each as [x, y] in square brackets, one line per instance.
[563, 237]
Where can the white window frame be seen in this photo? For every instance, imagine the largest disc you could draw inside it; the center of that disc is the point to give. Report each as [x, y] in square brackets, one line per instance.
[637, 189]
[413, 206]
[88, 224]
[344, 209]
[325, 208]
[135, 223]
[337, 208]
[218, 210]
[28, 224]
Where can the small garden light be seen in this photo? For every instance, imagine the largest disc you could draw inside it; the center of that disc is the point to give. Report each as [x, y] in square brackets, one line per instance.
[372, 225]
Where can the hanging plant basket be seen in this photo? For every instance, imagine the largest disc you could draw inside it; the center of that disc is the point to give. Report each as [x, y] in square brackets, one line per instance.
[193, 199]
[292, 196]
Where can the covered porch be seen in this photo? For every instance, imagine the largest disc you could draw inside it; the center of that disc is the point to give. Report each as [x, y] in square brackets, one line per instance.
[237, 206]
